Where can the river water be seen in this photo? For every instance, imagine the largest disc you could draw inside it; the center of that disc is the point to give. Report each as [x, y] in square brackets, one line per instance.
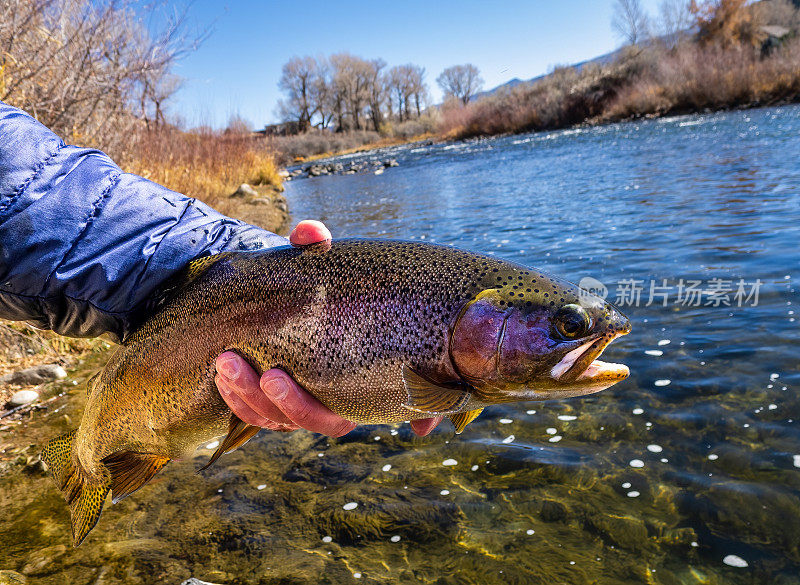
[687, 472]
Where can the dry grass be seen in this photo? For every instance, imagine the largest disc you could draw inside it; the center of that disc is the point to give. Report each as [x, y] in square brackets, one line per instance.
[318, 144]
[563, 98]
[206, 165]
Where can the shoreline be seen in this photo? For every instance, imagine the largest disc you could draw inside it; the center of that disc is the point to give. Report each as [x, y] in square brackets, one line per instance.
[432, 139]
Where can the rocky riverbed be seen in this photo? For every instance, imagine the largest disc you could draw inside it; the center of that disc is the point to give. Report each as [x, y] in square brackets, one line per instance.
[376, 166]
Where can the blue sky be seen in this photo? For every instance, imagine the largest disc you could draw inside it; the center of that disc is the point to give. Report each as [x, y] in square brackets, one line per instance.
[237, 69]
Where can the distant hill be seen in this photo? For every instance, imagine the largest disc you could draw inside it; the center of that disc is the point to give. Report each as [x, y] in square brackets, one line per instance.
[601, 60]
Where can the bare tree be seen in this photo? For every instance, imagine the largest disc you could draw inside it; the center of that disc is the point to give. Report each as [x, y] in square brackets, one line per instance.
[88, 69]
[398, 90]
[630, 21]
[347, 92]
[352, 77]
[300, 83]
[460, 81]
[674, 21]
[238, 125]
[377, 92]
[404, 82]
[417, 86]
[322, 91]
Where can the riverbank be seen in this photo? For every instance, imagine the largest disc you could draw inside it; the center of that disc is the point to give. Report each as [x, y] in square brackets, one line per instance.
[643, 82]
[647, 81]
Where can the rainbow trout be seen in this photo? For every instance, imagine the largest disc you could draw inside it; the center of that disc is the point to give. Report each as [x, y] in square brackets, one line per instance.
[379, 331]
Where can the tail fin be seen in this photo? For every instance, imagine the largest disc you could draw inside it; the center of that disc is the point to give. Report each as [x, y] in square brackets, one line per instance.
[126, 472]
[85, 499]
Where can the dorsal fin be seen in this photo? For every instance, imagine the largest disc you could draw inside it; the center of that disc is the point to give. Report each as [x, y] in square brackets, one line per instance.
[462, 419]
[425, 396]
[168, 289]
[199, 265]
[239, 432]
[130, 471]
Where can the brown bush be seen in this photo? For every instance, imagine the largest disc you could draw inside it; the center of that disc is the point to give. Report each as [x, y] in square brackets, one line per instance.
[652, 81]
[565, 97]
[727, 23]
[697, 77]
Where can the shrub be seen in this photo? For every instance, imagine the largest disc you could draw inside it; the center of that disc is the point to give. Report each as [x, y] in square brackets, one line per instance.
[642, 81]
[428, 123]
[695, 78]
[319, 142]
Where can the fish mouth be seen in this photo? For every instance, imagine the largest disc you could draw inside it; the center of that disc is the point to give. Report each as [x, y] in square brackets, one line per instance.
[581, 366]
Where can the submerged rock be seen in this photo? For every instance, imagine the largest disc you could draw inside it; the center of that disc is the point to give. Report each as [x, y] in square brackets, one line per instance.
[40, 561]
[553, 511]
[35, 375]
[12, 578]
[627, 532]
[22, 398]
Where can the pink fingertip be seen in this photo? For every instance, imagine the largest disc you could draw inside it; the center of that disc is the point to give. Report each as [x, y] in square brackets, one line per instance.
[309, 231]
[275, 385]
[228, 365]
[423, 427]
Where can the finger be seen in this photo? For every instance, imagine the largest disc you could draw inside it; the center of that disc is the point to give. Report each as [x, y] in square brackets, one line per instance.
[302, 408]
[244, 412]
[424, 426]
[243, 382]
[237, 405]
[309, 231]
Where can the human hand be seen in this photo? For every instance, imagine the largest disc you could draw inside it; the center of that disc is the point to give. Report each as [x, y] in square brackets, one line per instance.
[276, 401]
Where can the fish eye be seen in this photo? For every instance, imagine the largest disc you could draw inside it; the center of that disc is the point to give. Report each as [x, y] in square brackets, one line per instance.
[572, 321]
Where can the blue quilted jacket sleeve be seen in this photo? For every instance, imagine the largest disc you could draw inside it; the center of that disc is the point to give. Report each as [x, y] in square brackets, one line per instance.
[82, 244]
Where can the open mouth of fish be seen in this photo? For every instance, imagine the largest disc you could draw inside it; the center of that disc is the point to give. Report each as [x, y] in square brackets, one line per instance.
[581, 366]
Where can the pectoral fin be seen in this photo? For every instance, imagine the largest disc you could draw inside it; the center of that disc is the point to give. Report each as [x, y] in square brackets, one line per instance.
[425, 396]
[239, 433]
[461, 419]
